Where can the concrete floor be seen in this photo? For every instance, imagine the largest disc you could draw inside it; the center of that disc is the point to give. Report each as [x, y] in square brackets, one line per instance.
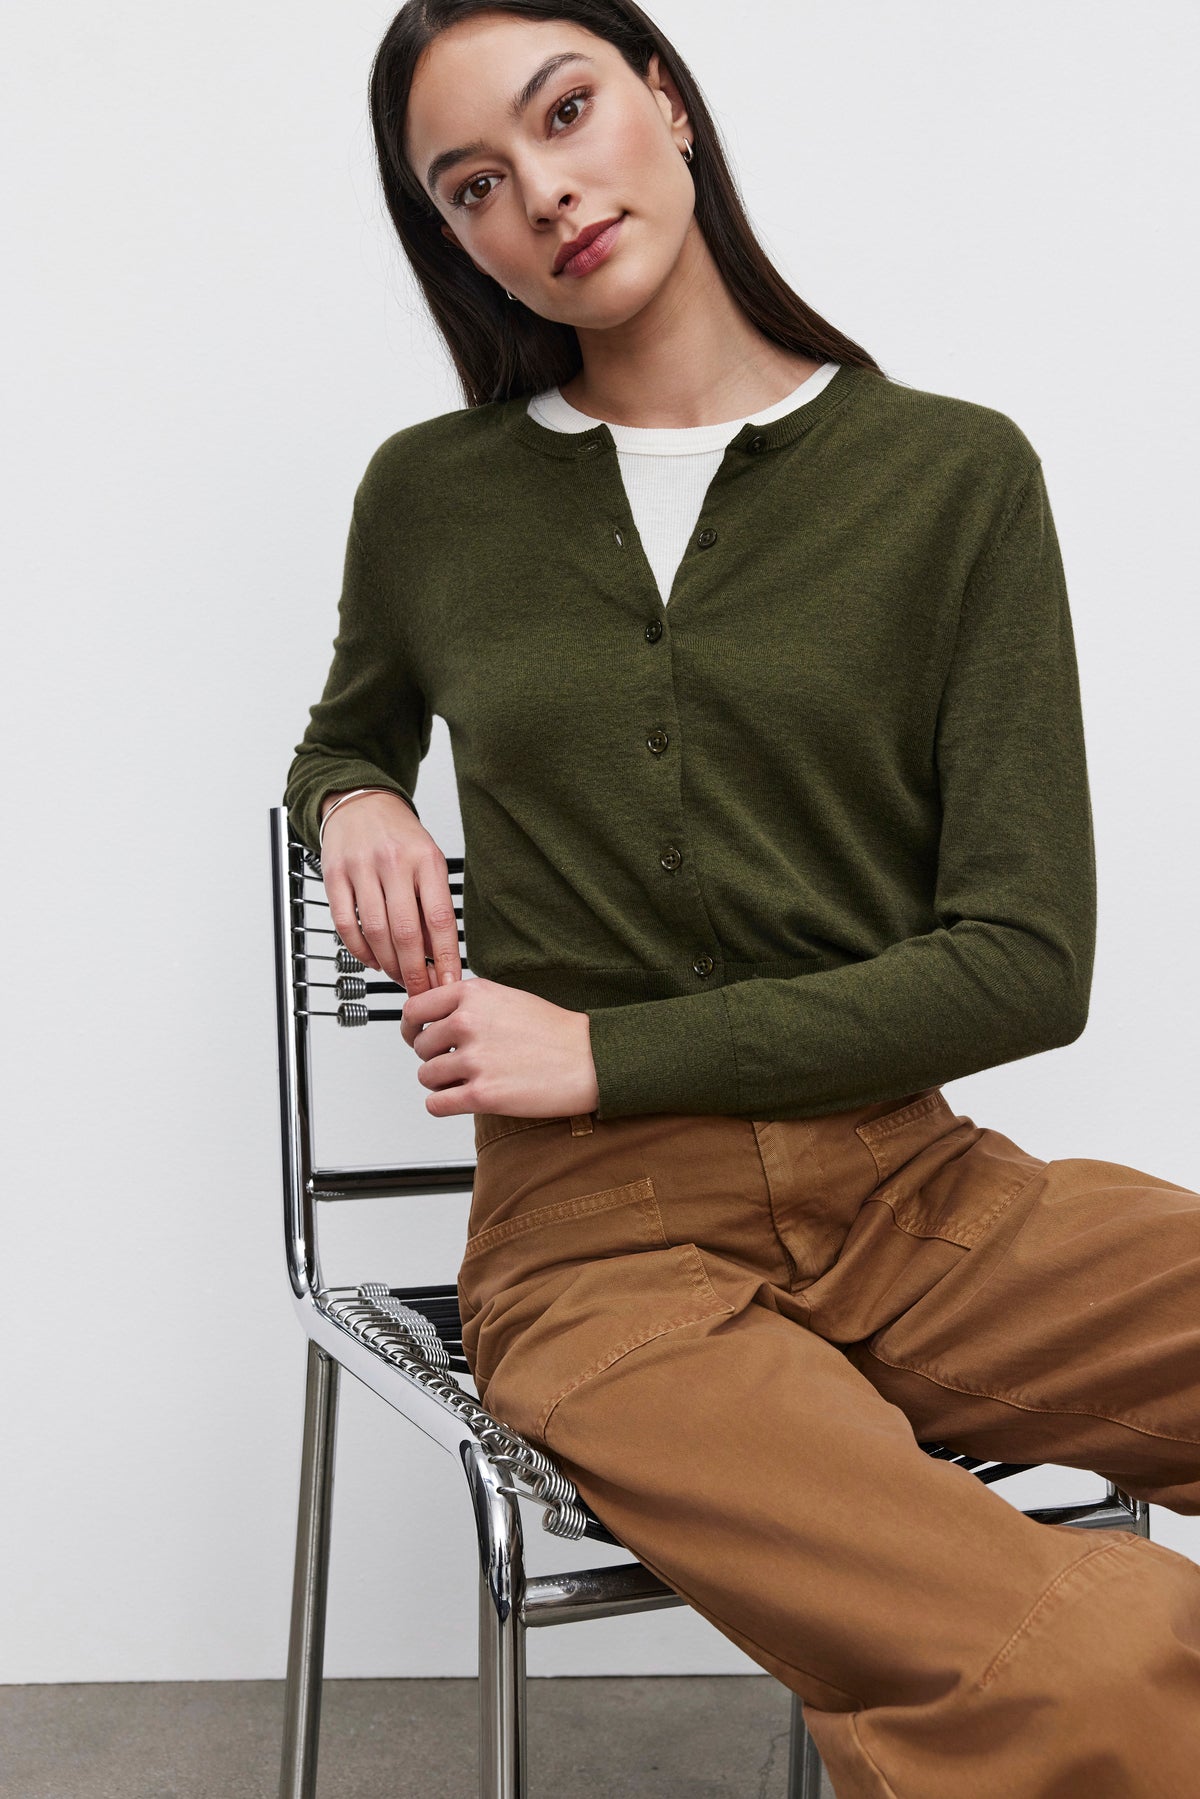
[669, 1737]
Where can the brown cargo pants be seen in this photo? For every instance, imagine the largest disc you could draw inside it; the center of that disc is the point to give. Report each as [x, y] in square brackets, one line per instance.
[733, 1334]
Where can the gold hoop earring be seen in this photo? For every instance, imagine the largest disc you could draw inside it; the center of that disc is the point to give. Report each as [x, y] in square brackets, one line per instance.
[511, 296]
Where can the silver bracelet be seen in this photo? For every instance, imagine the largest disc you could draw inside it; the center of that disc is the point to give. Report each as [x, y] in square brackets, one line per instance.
[352, 795]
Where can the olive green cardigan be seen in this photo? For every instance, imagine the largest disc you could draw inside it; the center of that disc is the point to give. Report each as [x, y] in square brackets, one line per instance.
[816, 833]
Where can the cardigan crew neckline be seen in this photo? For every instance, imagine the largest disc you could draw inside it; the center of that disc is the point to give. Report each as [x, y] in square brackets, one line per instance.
[751, 439]
[551, 407]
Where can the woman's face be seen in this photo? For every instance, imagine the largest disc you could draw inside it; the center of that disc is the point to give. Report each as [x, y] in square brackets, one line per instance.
[594, 142]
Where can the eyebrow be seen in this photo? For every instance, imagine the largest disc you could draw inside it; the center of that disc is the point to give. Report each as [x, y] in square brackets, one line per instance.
[516, 107]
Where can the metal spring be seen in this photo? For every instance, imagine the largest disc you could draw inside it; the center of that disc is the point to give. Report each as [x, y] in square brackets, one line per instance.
[415, 1323]
[547, 1485]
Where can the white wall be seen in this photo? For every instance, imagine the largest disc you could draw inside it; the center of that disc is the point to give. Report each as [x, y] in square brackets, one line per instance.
[209, 332]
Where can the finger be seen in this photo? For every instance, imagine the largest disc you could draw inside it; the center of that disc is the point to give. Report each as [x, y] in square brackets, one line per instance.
[403, 948]
[441, 920]
[430, 969]
[445, 1071]
[433, 1008]
[377, 926]
[396, 935]
[437, 1037]
[340, 894]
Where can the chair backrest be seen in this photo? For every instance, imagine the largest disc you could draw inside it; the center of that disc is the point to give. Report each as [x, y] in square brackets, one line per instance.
[316, 977]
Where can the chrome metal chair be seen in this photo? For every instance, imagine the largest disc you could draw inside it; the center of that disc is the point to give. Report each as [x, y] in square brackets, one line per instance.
[405, 1343]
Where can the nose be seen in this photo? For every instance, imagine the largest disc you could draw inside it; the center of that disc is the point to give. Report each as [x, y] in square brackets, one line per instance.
[545, 197]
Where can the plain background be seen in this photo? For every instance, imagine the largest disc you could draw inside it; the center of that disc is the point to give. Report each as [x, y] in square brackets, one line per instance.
[209, 330]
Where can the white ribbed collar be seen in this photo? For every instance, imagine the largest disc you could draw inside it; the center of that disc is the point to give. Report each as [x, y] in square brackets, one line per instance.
[549, 408]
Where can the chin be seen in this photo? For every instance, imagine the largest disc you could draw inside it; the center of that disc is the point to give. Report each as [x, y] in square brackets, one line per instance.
[621, 300]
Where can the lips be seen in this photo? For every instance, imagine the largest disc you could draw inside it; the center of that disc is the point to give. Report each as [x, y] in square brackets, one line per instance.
[586, 236]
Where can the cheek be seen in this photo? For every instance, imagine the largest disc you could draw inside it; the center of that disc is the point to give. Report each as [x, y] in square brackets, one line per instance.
[638, 161]
[639, 173]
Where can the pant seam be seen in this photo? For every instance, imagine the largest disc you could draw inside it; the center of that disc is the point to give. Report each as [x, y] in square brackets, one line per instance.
[1004, 1653]
[793, 1270]
[1019, 1405]
[889, 1791]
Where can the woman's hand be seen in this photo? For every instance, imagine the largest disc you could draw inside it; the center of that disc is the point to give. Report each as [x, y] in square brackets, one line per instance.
[389, 892]
[485, 1047]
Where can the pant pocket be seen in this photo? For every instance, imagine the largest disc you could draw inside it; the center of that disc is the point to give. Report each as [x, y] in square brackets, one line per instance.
[553, 1296]
[944, 1183]
[942, 1175]
[602, 1312]
[535, 1241]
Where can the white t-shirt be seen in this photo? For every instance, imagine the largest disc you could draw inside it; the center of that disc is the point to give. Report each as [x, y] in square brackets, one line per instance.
[667, 470]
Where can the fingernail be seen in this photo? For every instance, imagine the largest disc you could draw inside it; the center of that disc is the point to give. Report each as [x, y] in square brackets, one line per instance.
[447, 978]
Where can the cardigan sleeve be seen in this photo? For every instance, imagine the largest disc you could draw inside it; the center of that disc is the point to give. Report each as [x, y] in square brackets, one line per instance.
[1007, 970]
[371, 726]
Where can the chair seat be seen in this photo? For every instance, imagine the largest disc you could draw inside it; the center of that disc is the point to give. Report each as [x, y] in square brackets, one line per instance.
[439, 1306]
[567, 1512]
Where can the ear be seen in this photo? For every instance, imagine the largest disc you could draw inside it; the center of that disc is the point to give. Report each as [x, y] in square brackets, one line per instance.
[666, 95]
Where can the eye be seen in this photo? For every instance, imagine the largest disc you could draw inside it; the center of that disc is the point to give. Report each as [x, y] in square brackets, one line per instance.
[456, 199]
[574, 98]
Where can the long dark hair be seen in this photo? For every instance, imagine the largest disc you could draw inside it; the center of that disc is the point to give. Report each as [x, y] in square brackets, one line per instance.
[500, 348]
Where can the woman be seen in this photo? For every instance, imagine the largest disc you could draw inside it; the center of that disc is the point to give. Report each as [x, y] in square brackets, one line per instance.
[760, 679]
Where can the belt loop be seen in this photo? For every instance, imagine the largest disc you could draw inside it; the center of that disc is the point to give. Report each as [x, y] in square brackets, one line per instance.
[581, 1124]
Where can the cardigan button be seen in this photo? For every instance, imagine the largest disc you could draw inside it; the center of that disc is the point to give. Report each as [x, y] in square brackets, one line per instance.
[702, 964]
[756, 444]
[657, 741]
[671, 859]
[654, 630]
[707, 538]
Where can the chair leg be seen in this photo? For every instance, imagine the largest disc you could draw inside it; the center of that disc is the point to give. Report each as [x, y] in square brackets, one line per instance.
[1139, 1509]
[804, 1764]
[503, 1773]
[306, 1643]
[502, 1767]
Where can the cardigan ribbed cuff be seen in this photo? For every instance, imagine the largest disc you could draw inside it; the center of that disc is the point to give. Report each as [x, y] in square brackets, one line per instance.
[665, 1055]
